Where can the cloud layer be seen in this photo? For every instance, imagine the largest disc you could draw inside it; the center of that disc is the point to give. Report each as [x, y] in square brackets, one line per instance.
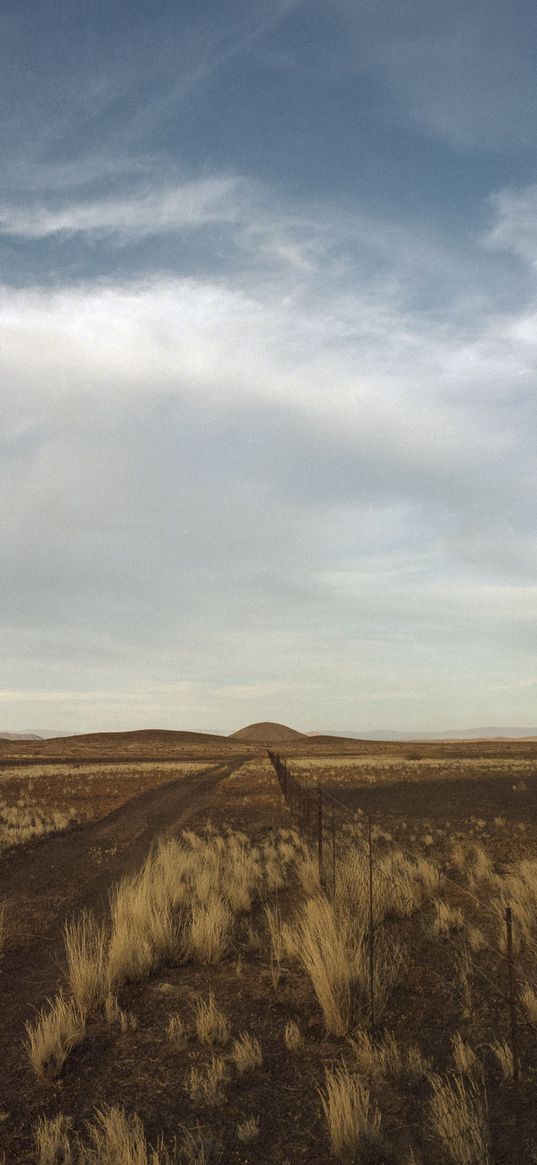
[268, 362]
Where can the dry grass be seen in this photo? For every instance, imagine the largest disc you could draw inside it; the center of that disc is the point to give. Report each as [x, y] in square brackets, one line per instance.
[25, 821]
[52, 1144]
[504, 1058]
[377, 1059]
[58, 1028]
[529, 1003]
[294, 1040]
[210, 931]
[2, 926]
[212, 1025]
[248, 1130]
[322, 952]
[447, 918]
[464, 1057]
[85, 949]
[458, 1119]
[56, 1031]
[198, 1147]
[143, 928]
[353, 1121]
[116, 1138]
[246, 1053]
[205, 1085]
[176, 1031]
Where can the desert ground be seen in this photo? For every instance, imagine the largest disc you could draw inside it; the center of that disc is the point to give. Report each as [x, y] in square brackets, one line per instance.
[186, 977]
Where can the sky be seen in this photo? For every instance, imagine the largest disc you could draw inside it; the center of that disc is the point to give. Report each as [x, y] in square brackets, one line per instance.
[268, 364]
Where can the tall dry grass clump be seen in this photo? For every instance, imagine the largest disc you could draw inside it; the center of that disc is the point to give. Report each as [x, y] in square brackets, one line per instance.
[322, 952]
[85, 949]
[400, 885]
[353, 1121]
[210, 930]
[143, 927]
[117, 1138]
[58, 1028]
[52, 1144]
[518, 889]
[458, 1119]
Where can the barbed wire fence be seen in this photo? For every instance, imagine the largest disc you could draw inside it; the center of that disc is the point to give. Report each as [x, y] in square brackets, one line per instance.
[329, 828]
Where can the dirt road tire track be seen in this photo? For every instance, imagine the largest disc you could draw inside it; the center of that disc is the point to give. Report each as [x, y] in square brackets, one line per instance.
[51, 880]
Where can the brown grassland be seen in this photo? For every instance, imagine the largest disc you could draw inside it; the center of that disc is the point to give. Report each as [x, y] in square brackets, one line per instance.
[178, 987]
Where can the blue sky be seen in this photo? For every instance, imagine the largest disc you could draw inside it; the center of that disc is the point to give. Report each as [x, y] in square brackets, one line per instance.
[268, 355]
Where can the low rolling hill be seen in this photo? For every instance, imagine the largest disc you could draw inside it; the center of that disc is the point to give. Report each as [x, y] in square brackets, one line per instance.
[267, 733]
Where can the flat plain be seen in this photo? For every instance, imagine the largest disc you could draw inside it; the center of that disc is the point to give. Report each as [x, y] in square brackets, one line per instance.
[217, 1000]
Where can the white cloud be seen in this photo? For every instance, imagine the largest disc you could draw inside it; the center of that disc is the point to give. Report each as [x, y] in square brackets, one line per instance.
[284, 484]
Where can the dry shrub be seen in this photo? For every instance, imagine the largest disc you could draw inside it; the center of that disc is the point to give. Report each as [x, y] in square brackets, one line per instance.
[52, 1140]
[353, 1121]
[58, 1028]
[85, 949]
[294, 1040]
[248, 1130]
[205, 1084]
[246, 1053]
[458, 1118]
[212, 1025]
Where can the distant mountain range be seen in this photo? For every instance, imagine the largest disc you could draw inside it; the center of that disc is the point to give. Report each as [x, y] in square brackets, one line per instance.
[268, 732]
[451, 734]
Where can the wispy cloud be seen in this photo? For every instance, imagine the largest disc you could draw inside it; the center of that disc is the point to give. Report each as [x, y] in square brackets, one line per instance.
[515, 222]
[175, 208]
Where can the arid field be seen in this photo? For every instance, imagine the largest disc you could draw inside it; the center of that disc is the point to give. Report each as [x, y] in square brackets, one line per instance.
[187, 977]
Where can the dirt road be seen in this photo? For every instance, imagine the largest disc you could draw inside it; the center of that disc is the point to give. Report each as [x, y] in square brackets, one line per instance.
[49, 881]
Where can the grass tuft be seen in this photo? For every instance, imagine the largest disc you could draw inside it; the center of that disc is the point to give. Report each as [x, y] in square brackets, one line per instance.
[458, 1118]
[212, 1025]
[58, 1028]
[52, 1140]
[246, 1053]
[353, 1121]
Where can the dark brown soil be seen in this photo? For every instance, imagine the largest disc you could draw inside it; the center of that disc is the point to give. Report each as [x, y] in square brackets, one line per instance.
[50, 880]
